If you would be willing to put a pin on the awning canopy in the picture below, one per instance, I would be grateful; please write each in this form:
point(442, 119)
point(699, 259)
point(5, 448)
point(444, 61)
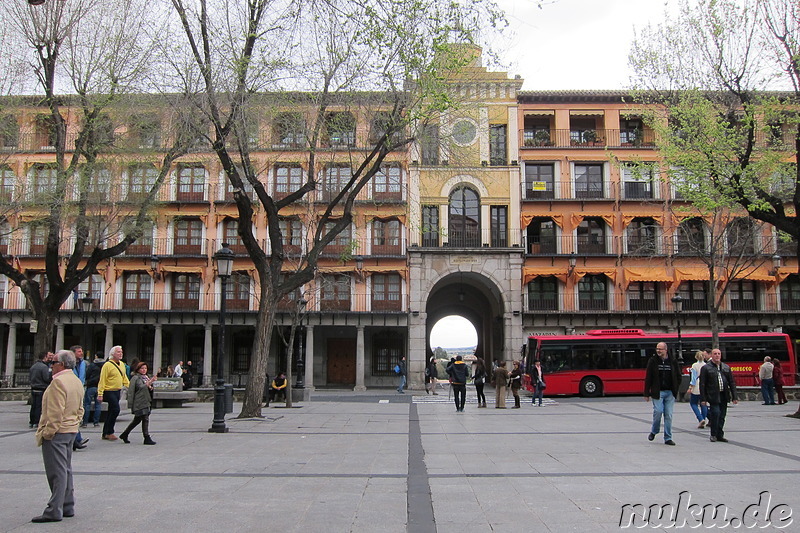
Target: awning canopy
point(539, 113)
point(586, 112)
point(529, 273)
point(645, 273)
point(527, 218)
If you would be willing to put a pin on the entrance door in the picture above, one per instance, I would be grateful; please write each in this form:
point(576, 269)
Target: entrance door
point(342, 361)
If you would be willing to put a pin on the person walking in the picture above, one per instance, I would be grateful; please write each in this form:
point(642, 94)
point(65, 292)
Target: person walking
point(139, 400)
point(479, 379)
point(765, 372)
point(717, 388)
point(431, 374)
point(402, 373)
point(500, 380)
point(178, 371)
point(62, 412)
point(777, 378)
point(515, 379)
point(39, 379)
point(458, 379)
point(91, 406)
point(661, 381)
point(700, 411)
point(112, 379)
point(537, 378)
point(80, 372)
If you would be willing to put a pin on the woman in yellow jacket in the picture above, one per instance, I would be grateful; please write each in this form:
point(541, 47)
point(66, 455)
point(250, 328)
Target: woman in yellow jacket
point(112, 378)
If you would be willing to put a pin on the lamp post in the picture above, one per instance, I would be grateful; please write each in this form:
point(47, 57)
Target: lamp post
point(301, 311)
point(86, 306)
point(677, 302)
point(224, 261)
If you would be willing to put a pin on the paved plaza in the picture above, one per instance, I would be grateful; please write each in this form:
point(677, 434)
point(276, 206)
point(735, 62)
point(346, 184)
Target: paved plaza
point(386, 462)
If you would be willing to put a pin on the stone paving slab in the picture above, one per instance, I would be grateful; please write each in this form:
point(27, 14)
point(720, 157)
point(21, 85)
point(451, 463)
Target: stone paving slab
point(343, 463)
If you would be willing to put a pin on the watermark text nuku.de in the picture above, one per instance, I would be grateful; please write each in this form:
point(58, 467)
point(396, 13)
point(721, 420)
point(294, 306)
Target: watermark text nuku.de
point(686, 514)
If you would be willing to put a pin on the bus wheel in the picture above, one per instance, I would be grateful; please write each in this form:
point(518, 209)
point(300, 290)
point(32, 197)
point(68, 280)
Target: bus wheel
point(591, 387)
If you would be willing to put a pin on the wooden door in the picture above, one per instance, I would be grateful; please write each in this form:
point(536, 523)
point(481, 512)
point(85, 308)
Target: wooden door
point(342, 361)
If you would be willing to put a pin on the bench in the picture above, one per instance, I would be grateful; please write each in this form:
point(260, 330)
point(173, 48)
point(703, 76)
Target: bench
point(168, 392)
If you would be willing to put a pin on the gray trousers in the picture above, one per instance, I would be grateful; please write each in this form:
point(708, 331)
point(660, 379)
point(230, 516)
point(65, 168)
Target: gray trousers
point(57, 456)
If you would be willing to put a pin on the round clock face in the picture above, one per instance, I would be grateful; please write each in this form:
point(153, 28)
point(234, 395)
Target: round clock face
point(464, 132)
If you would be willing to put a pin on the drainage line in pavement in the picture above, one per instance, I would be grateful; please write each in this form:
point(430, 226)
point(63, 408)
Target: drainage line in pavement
point(420, 502)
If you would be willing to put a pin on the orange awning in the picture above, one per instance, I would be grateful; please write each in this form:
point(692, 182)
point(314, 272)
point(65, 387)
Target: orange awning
point(646, 274)
point(527, 218)
point(528, 273)
point(609, 273)
point(756, 274)
point(691, 274)
point(627, 219)
point(577, 218)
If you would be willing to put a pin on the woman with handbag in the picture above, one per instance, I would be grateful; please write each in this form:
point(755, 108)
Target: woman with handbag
point(537, 378)
point(479, 379)
point(139, 399)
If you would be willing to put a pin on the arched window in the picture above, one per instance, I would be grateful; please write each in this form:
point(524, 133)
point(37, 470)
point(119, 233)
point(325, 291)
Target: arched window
point(464, 218)
point(592, 293)
point(542, 236)
point(691, 237)
point(741, 236)
point(642, 235)
point(591, 236)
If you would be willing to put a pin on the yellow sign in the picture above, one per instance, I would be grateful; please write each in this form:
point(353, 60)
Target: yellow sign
point(539, 186)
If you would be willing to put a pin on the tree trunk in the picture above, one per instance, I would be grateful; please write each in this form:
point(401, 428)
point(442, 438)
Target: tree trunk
point(256, 379)
point(44, 340)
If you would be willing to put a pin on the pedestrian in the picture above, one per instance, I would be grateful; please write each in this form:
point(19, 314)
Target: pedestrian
point(479, 379)
point(39, 379)
point(459, 373)
point(112, 379)
point(80, 372)
point(178, 371)
point(140, 400)
point(170, 371)
point(187, 377)
point(91, 405)
point(515, 380)
point(717, 388)
point(431, 373)
point(401, 366)
point(661, 381)
point(700, 411)
point(777, 378)
point(765, 372)
point(500, 379)
point(62, 412)
point(537, 378)
point(278, 387)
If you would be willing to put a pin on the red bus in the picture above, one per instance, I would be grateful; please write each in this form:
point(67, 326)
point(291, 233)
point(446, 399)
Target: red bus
point(613, 361)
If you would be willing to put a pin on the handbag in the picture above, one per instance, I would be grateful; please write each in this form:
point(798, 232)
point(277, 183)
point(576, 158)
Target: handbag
point(541, 385)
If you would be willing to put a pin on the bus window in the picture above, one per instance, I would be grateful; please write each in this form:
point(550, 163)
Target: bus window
point(633, 357)
point(556, 358)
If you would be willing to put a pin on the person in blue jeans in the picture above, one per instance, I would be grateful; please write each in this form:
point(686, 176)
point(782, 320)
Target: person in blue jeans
point(92, 379)
point(700, 411)
point(402, 374)
point(661, 381)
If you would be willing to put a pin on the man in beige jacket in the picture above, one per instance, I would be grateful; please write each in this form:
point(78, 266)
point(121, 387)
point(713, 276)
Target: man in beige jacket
point(62, 412)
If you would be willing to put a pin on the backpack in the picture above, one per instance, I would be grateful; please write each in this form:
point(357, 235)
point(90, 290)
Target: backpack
point(427, 371)
point(396, 369)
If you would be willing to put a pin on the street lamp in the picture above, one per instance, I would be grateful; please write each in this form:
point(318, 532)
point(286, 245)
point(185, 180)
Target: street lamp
point(224, 261)
point(86, 306)
point(301, 311)
point(677, 302)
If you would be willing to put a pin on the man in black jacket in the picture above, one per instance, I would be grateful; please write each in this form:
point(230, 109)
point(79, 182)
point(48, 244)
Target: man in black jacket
point(661, 381)
point(39, 380)
point(717, 388)
point(459, 373)
point(92, 379)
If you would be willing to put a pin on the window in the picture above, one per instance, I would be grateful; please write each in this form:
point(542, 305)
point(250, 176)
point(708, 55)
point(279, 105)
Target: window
point(334, 181)
point(340, 243)
point(631, 132)
point(385, 237)
point(537, 131)
point(288, 301)
point(589, 181)
point(5, 236)
point(741, 237)
point(191, 183)
point(291, 235)
point(541, 235)
point(637, 181)
point(97, 190)
point(694, 295)
point(498, 145)
point(691, 237)
point(102, 131)
point(382, 123)
point(288, 178)
point(45, 132)
point(230, 235)
point(387, 183)
point(539, 181)
point(142, 179)
point(543, 294)
point(188, 237)
point(38, 239)
point(341, 129)
point(289, 131)
point(743, 295)
point(45, 180)
point(334, 292)
point(144, 244)
point(643, 296)
point(388, 349)
point(386, 292)
point(91, 287)
point(430, 225)
point(591, 236)
point(145, 131)
point(583, 131)
point(499, 229)
point(7, 181)
point(592, 293)
point(790, 293)
point(9, 132)
point(237, 291)
point(186, 292)
point(464, 218)
point(137, 291)
point(247, 187)
point(429, 145)
point(641, 237)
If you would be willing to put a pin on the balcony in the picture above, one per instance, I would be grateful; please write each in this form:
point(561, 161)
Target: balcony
point(533, 139)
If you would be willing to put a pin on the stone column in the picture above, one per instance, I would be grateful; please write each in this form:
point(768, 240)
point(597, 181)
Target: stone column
point(360, 359)
point(208, 378)
point(59, 337)
point(109, 340)
point(157, 353)
point(11, 352)
point(309, 359)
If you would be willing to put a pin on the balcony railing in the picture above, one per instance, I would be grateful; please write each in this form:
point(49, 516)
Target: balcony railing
point(483, 238)
point(587, 138)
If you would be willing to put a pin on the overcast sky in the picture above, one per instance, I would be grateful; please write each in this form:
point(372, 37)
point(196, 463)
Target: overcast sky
point(574, 44)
